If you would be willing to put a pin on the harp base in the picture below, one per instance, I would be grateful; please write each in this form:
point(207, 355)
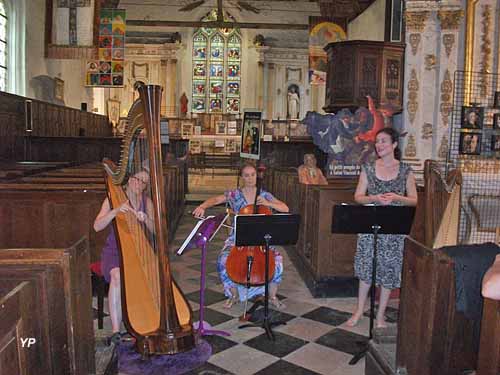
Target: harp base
point(163, 343)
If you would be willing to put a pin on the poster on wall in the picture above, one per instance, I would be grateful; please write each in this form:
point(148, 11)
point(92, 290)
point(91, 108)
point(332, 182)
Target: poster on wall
point(107, 69)
point(321, 33)
point(250, 134)
point(349, 138)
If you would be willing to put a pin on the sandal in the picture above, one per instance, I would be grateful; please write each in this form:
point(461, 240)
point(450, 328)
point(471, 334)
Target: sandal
point(276, 303)
point(230, 302)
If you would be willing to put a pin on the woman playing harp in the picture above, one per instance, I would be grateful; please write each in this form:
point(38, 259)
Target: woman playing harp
point(155, 311)
point(139, 205)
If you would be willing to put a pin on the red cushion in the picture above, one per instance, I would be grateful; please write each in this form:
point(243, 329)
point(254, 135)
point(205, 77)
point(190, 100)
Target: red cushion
point(96, 268)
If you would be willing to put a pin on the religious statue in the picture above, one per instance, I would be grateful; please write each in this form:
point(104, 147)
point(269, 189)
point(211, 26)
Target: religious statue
point(293, 103)
point(309, 173)
point(114, 114)
point(184, 104)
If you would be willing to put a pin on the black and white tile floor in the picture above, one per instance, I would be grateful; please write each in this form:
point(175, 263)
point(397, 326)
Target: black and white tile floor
point(315, 339)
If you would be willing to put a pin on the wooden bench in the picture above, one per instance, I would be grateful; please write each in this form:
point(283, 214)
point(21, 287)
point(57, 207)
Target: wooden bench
point(435, 340)
point(62, 304)
point(18, 324)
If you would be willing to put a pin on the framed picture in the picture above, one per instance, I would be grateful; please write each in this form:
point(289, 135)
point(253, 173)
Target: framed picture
point(220, 143)
point(472, 117)
point(470, 143)
point(495, 143)
point(186, 129)
point(194, 146)
point(496, 99)
point(230, 145)
point(232, 131)
point(220, 127)
point(250, 135)
point(496, 121)
point(197, 130)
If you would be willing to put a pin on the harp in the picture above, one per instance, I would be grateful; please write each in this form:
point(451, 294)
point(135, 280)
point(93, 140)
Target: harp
point(155, 311)
point(442, 206)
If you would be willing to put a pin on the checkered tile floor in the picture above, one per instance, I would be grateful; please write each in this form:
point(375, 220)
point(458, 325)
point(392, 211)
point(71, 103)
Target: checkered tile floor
point(315, 339)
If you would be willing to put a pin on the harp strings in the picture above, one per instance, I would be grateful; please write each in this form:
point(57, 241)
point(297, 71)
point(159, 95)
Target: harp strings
point(141, 222)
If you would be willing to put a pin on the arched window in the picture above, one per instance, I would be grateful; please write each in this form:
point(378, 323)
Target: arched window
point(3, 46)
point(216, 69)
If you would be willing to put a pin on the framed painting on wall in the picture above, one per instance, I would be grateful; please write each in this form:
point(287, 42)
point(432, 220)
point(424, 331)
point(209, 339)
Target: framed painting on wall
point(470, 143)
point(194, 146)
point(220, 127)
point(186, 129)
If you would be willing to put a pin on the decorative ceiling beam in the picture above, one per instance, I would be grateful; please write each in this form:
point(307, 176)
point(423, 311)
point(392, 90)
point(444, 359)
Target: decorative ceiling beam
point(217, 24)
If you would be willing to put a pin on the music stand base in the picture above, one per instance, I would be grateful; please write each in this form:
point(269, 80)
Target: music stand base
point(213, 332)
point(266, 326)
point(361, 353)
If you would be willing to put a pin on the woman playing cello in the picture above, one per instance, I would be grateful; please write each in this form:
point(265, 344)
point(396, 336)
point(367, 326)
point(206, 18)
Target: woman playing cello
point(238, 199)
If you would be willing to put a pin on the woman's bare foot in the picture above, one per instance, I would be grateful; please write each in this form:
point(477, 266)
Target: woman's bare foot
point(381, 324)
point(230, 302)
point(353, 320)
point(276, 303)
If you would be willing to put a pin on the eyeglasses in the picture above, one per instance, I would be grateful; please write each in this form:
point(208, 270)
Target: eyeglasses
point(138, 179)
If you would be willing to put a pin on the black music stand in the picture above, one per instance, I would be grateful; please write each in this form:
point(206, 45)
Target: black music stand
point(266, 230)
point(370, 219)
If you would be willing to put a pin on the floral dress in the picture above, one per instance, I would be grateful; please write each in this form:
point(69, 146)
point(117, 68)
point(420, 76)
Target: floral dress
point(389, 246)
point(236, 200)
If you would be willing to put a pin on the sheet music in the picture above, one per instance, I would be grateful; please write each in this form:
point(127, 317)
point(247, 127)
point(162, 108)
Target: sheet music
point(191, 241)
point(191, 235)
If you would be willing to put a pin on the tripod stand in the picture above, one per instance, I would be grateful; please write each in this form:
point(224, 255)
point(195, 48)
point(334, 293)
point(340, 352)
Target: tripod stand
point(375, 220)
point(267, 230)
point(200, 236)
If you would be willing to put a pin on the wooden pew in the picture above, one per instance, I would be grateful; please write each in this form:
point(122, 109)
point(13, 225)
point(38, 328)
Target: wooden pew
point(62, 304)
point(63, 208)
point(18, 323)
point(435, 340)
point(488, 362)
point(50, 214)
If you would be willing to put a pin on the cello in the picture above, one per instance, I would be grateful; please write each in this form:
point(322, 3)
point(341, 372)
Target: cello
point(247, 264)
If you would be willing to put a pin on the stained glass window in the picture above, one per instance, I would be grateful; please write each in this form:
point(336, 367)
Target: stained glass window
point(216, 68)
point(3, 47)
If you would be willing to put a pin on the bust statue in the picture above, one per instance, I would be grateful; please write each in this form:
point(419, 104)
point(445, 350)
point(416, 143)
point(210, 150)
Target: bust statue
point(309, 173)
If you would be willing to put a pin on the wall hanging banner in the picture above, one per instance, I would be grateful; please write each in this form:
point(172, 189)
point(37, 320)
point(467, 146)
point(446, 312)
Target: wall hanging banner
point(321, 33)
point(107, 70)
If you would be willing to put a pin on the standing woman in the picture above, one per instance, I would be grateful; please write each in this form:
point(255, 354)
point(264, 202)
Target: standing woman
point(237, 199)
point(142, 209)
point(385, 182)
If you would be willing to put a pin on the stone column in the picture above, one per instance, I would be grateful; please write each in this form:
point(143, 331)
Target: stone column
point(259, 89)
point(271, 91)
point(416, 149)
point(450, 18)
point(163, 83)
point(171, 82)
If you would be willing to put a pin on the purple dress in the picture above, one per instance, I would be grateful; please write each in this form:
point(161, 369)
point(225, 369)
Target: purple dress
point(110, 257)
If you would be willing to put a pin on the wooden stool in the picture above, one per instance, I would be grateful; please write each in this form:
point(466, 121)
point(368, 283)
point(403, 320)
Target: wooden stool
point(100, 288)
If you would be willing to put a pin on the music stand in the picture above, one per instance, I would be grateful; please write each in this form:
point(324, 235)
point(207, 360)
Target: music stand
point(370, 219)
point(202, 233)
point(266, 230)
